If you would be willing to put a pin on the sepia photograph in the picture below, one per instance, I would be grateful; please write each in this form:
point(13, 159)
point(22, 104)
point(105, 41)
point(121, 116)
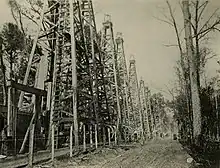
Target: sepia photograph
point(109, 83)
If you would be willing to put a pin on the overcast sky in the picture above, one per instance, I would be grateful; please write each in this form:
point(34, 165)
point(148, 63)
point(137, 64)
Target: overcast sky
point(144, 36)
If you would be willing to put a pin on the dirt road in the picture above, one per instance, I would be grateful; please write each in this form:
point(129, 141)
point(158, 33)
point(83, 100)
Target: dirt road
point(157, 154)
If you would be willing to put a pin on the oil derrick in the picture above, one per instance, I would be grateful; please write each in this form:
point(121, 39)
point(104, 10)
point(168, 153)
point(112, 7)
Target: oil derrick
point(94, 65)
point(137, 122)
point(144, 105)
point(149, 109)
point(55, 36)
point(109, 60)
point(74, 78)
point(156, 114)
point(122, 76)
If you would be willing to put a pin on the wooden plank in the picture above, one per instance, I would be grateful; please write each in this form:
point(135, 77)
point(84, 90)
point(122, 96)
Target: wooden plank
point(28, 89)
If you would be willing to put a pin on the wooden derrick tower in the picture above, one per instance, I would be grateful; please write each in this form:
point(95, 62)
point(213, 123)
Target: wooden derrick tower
point(93, 65)
point(145, 107)
point(123, 85)
point(70, 69)
point(137, 120)
point(109, 60)
point(149, 109)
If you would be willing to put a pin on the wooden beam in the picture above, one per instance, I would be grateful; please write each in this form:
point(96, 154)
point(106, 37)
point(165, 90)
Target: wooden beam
point(63, 120)
point(28, 89)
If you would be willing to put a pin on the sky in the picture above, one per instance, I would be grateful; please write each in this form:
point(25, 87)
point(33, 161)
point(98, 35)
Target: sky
point(144, 37)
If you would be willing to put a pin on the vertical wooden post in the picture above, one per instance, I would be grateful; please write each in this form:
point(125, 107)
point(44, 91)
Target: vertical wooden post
point(96, 136)
point(9, 116)
point(71, 140)
point(109, 137)
point(52, 142)
point(31, 146)
point(90, 135)
point(84, 137)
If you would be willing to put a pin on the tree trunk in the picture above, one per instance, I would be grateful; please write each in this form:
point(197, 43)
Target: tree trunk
point(4, 77)
point(196, 106)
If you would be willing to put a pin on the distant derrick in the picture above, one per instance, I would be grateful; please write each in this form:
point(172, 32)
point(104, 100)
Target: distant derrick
point(122, 76)
point(137, 120)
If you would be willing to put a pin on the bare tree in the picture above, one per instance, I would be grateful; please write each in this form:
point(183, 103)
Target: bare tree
point(202, 25)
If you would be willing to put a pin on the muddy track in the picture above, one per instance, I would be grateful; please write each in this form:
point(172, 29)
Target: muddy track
point(152, 155)
point(158, 154)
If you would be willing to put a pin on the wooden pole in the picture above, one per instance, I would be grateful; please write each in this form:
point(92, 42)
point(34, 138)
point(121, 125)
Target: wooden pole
point(96, 136)
point(71, 140)
point(9, 116)
point(90, 135)
point(31, 146)
point(84, 137)
point(74, 76)
point(109, 137)
point(52, 139)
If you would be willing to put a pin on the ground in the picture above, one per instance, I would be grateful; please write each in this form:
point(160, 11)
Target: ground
point(154, 154)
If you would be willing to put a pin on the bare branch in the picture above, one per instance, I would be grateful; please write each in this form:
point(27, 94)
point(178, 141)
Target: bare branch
point(165, 21)
point(166, 17)
point(203, 6)
point(177, 34)
point(207, 22)
point(206, 31)
point(29, 17)
point(170, 45)
point(212, 56)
